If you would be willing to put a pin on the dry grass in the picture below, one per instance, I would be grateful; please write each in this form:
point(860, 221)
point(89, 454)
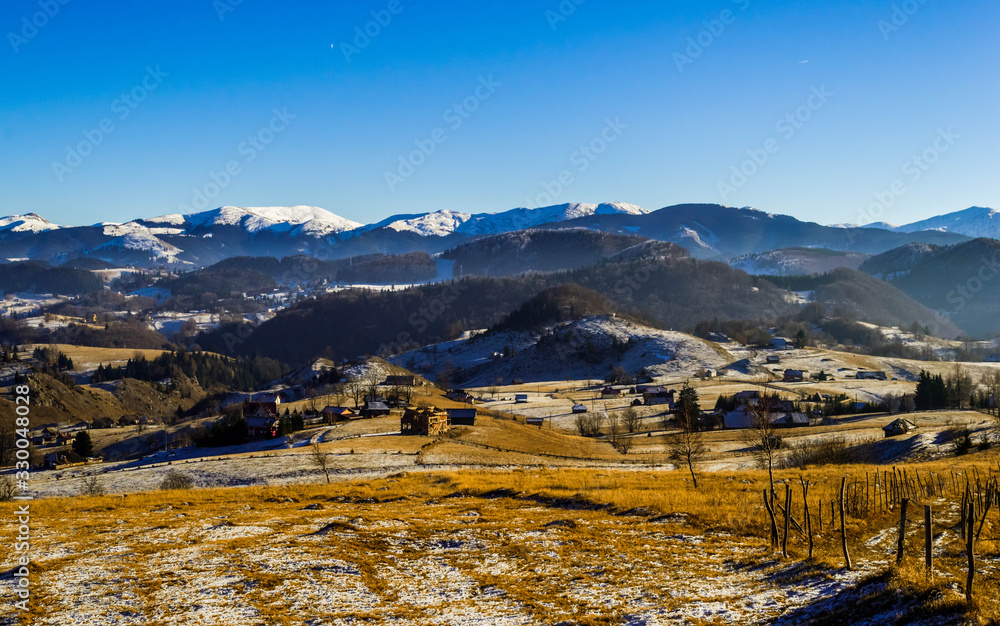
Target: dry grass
point(589, 546)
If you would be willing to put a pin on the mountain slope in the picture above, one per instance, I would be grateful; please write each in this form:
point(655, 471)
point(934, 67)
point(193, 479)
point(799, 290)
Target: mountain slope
point(444, 223)
point(850, 293)
point(201, 239)
point(797, 261)
point(973, 222)
point(670, 292)
point(714, 231)
point(960, 281)
point(536, 250)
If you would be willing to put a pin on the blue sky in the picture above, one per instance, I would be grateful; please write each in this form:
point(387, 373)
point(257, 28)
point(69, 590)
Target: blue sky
point(654, 103)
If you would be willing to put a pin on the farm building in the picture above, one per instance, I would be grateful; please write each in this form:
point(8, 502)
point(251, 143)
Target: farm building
point(773, 359)
point(794, 376)
point(780, 343)
point(579, 408)
point(62, 458)
point(399, 381)
point(374, 408)
point(262, 416)
point(425, 422)
point(462, 417)
point(659, 396)
point(535, 421)
point(332, 414)
point(459, 395)
point(899, 427)
point(868, 375)
point(521, 398)
point(610, 393)
point(780, 412)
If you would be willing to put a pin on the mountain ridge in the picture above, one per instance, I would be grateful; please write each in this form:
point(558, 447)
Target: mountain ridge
point(707, 231)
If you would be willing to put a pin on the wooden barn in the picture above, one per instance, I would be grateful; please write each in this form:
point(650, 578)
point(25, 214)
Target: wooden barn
point(462, 417)
point(425, 422)
point(262, 419)
point(333, 414)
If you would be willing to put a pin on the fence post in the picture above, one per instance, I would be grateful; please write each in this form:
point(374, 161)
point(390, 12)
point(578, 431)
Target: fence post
point(788, 514)
point(809, 522)
point(928, 540)
point(774, 524)
point(843, 524)
point(902, 531)
point(970, 537)
point(965, 509)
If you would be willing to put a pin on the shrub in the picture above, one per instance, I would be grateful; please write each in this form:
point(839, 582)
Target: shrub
point(92, 486)
point(176, 480)
point(7, 489)
point(831, 451)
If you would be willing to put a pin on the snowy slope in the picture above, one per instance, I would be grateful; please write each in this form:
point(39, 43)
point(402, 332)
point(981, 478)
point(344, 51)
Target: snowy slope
point(141, 241)
point(444, 223)
point(974, 222)
point(306, 219)
point(29, 223)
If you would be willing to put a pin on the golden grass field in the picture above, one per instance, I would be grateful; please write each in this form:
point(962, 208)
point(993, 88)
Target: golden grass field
point(525, 546)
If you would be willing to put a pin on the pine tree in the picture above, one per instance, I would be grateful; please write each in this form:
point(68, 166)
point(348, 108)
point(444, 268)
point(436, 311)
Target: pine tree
point(83, 446)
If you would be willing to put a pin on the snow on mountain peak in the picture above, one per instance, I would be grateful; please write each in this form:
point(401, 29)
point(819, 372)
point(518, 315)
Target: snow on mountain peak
point(972, 222)
point(27, 223)
point(308, 219)
point(444, 223)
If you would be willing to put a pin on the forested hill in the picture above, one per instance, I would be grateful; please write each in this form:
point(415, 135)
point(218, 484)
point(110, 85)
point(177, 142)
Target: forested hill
point(509, 254)
point(40, 278)
point(670, 292)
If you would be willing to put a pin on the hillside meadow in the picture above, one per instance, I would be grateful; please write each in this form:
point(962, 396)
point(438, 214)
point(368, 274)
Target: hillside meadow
point(524, 546)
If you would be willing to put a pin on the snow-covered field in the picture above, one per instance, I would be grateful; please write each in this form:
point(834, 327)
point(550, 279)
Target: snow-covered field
point(408, 559)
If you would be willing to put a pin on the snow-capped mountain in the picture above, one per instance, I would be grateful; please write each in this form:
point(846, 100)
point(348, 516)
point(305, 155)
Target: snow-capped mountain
point(708, 231)
point(29, 223)
point(307, 219)
point(444, 223)
point(974, 222)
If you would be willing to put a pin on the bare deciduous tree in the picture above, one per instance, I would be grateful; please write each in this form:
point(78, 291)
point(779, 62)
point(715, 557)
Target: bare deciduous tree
point(321, 459)
point(992, 383)
point(686, 446)
point(355, 388)
point(762, 437)
point(631, 420)
point(7, 441)
point(590, 424)
point(92, 486)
